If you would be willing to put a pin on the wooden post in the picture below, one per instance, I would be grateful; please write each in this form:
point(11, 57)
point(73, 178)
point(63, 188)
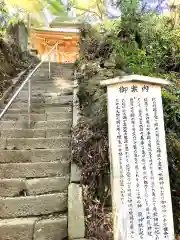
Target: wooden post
point(139, 171)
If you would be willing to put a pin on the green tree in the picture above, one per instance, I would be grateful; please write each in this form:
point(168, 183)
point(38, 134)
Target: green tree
point(95, 7)
point(4, 16)
point(35, 9)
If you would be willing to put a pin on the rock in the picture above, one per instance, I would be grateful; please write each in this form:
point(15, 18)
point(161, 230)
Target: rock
point(76, 223)
point(97, 79)
point(36, 155)
point(47, 185)
point(11, 187)
point(33, 170)
point(17, 229)
point(109, 64)
point(108, 74)
point(51, 229)
point(119, 73)
point(75, 173)
point(33, 205)
point(83, 67)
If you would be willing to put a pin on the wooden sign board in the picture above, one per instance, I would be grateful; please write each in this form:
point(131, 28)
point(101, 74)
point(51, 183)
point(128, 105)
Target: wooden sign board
point(141, 197)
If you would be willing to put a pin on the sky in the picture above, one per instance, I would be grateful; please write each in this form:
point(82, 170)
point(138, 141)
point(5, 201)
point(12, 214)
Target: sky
point(114, 11)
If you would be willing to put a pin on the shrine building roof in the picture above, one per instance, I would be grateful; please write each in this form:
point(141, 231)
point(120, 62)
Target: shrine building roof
point(62, 24)
point(65, 21)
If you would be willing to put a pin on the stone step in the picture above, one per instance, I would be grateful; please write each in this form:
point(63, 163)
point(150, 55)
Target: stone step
point(46, 89)
point(45, 80)
point(54, 76)
point(66, 124)
point(58, 84)
point(33, 170)
point(46, 95)
point(33, 205)
point(53, 124)
point(17, 229)
point(53, 108)
point(23, 117)
point(15, 187)
point(34, 155)
point(40, 105)
point(65, 99)
point(35, 143)
point(53, 84)
point(34, 133)
point(58, 65)
point(45, 73)
point(51, 229)
point(61, 70)
point(34, 228)
point(57, 72)
point(47, 185)
point(43, 93)
point(23, 133)
point(37, 117)
point(58, 115)
point(62, 109)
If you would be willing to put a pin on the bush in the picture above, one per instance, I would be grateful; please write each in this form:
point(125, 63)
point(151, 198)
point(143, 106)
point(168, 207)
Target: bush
point(157, 55)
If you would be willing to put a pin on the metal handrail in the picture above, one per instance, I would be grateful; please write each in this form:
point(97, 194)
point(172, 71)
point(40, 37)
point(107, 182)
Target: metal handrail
point(28, 80)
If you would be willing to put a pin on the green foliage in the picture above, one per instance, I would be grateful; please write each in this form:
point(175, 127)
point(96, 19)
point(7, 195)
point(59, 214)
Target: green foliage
point(4, 18)
point(157, 55)
point(56, 7)
point(153, 49)
point(90, 152)
point(145, 44)
point(173, 149)
point(95, 7)
point(34, 10)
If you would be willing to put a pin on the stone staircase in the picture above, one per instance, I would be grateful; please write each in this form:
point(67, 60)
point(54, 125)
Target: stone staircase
point(34, 162)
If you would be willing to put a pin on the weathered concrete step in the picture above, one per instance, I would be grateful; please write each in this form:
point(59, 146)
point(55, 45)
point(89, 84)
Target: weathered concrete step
point(38, 125)
point(34, 155)
point(60, 66)
point(63, 91)
point(23, 133)
point(46, 89)
point(53, 124)
point(46, 99)
point(54, 78)
point(33, 205)
point(45, 73)
point(65, 75)
point(21, 187)
point(35, 143)
point(53, 108)
point(60, 69)
point(54, 85)
point(41, 102)
point(62, 109)
point(34, 170)
point(34, 228)
point(17, 229)
point(40, 105)
point(37, 117)
point(45, 80)
point(22, 117)
point(51, 229)
point(34, 133)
